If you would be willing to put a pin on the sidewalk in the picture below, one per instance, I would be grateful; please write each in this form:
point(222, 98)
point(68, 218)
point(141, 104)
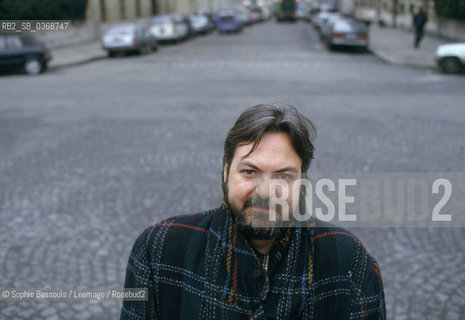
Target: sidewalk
point(395, 46)
point(76, 54)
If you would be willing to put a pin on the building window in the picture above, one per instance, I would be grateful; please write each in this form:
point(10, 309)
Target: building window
point(154, 7)
point(138, 13)
point(103, 11)
point(122, 10)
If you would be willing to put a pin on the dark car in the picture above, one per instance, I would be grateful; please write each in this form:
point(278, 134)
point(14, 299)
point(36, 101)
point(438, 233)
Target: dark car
point(211, 20)
point(228, 22)
point(190, 28)
point(23, 51)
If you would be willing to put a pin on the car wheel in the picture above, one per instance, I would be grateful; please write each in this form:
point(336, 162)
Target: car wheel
point(450, 65)
point(33, 66)
point(330, 46)
point(363, 49)
point(111, 54)
point(145, 50)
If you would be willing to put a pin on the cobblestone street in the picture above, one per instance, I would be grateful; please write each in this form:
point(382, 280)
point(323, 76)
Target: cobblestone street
point(93, 154)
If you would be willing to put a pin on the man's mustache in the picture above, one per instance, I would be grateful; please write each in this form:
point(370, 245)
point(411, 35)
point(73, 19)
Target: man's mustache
point(256, 201)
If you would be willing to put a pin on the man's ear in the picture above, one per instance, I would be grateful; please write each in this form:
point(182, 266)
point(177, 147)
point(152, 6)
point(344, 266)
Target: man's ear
point(225, 172)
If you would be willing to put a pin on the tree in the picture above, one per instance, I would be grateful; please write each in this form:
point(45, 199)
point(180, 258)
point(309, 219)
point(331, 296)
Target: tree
point(43, 9)
point(454, 9)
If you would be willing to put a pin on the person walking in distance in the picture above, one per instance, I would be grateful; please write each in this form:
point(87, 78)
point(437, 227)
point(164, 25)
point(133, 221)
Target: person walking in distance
point(419, 21)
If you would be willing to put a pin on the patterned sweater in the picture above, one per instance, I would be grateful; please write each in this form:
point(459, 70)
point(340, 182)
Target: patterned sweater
point(201, 267)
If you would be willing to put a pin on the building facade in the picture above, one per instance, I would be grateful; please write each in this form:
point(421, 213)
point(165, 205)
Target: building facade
point(399, 14)
point(120, 10)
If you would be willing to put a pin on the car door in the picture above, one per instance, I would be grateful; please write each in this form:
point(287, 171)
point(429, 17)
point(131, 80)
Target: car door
point(181, 28)
point(141, 37)
point(148, 38)
point(11, 53)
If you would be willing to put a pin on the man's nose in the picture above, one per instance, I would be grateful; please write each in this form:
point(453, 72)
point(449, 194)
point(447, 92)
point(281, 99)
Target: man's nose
point(262, 188)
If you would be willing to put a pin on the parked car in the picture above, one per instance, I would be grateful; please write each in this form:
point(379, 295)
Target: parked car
point(326, 24)
point(129, 37)
point(451, 57)
point(166, 28)
point(200, 24)
point(257, 13)
point(245, 17)
point(23, 51)
point(267, 13)
point(211, 20)
point(228, 22)
point(348, 32)
point(181, 24)
point(302, 13)
point(190, 28)
point(319, 19)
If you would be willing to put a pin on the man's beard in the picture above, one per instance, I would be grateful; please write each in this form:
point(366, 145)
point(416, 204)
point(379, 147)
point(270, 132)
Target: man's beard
point(266, 230)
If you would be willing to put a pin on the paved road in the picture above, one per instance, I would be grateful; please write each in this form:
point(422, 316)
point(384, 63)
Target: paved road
point(91, 155)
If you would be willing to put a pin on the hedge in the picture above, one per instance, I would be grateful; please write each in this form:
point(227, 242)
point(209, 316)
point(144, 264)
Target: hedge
point(43, 9)
point(454, 9)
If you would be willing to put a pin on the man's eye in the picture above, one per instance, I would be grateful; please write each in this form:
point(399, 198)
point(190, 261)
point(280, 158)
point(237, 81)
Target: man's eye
point(247, 172)
point(286, 177)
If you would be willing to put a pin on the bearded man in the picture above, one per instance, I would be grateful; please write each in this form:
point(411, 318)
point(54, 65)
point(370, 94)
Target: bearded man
point(236, 261)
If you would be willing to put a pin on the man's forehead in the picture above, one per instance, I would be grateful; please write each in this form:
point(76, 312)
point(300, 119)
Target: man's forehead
point(270, 140)
point(272, 148)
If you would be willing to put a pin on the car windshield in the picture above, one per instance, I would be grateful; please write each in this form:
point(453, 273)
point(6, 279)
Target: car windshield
point(334, 17)
point(177, 18)
point(13, 42)
point(324, 15)
point(226, 18)
point(349, 26)
point(200, 19)
point(161, 20)
point(2, 42)
point(127, 29)
point(29, 41)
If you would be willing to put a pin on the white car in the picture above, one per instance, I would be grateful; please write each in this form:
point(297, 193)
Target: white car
point(166, 28)
point(451, 57)
point(199, 23)
point(327, 22)
point(320, 18)
point(126, 37)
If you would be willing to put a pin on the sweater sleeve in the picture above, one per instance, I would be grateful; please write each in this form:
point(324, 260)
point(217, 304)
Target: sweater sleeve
point(139, 275)
point(369, 303)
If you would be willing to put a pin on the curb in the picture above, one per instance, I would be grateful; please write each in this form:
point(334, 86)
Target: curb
point(76, 63)
point(386, 58)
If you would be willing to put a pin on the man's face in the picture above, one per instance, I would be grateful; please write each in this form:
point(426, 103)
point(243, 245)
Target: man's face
point(250, 179)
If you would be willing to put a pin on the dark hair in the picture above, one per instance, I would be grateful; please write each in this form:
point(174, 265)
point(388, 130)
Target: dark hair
point(254, 122)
